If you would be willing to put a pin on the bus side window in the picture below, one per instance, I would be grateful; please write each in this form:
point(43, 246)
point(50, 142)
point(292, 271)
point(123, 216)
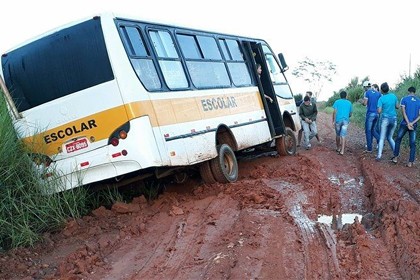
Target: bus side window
point(204, 61)
point(169, 61)
point(235, 61)
point(140, 58)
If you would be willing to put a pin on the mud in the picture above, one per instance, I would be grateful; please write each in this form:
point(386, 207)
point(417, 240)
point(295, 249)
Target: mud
point(264, 226)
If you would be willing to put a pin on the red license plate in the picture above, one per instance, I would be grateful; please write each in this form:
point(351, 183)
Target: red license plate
point(76, 145)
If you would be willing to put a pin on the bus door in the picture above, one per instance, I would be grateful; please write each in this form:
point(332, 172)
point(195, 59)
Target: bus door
point(265, 86)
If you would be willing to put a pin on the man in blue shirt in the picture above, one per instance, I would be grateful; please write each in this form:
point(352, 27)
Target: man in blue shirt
point(341, 119)
point(370, 100)
point(387, 105)
point(410, 105)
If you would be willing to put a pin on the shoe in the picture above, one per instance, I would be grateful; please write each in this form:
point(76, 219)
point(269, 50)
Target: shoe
point(410, 164)
point(378, 159)
point(308, 147)
point(367, 152)
point(394, 160)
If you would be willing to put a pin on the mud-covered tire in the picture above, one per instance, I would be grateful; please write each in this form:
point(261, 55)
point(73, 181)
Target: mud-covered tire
point(286, 145)
point(205, 173)
point(224, 167)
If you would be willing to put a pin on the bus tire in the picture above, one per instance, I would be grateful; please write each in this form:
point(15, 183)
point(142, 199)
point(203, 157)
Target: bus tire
point(224, 167)
point(286, 145)
point(205, 173)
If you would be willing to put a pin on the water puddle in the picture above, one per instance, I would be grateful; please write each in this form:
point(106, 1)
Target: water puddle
point(338, 221)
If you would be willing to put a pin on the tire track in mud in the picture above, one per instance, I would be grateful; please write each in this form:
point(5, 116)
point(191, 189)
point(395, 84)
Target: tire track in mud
point(183, 242)
point(317, 241)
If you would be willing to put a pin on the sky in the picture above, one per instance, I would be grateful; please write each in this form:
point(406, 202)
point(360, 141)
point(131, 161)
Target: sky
point(363, 38)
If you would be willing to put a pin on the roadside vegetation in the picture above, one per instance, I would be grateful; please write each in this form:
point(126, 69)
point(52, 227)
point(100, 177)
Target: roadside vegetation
point(25, 210)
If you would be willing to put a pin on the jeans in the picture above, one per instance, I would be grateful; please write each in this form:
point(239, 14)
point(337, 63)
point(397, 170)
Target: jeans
point(309, 131)
point(411, 138)
point(341, 128)
point(388, 125)
point(371, 129)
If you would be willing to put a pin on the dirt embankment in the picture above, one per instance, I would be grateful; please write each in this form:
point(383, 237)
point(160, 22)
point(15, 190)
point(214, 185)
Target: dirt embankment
point(264, 226)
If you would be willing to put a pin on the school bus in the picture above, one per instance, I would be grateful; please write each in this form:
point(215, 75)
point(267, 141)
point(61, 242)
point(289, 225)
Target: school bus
point(110, 97)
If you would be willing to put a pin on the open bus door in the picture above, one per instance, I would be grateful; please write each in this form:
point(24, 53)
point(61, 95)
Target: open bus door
point(265, 86)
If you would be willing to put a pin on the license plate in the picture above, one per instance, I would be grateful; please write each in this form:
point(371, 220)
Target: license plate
point(76, 145)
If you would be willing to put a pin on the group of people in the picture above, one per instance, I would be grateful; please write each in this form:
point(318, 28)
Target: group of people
point(382, 109)
point(380, 121)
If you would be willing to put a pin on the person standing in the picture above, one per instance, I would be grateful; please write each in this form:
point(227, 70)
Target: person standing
point(387, 105)
point(308, 113)
point(410, 106)
point(341, 119)
point(313, 101)
point(259, 71)
point(370, 100)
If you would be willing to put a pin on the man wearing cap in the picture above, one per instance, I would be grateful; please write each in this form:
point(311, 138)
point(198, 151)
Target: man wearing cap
point(370, 100)
point(308, 113)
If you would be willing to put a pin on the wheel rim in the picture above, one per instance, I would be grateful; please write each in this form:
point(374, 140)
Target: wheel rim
point(228, 164)
point(289, 143)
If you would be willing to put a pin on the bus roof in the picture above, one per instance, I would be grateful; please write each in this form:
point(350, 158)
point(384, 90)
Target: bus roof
point(110, 15)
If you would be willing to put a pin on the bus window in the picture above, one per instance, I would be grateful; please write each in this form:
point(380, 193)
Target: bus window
point(275, 71)
point(209, 47)
point(168, 59)
point(57, 65)
point(236, 64)
point(140, 58)
point(204, 61)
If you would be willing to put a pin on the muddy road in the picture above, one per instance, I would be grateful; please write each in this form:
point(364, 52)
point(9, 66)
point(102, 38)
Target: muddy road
point(316, 215)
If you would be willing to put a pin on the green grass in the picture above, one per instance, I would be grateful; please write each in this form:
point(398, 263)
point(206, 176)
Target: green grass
point(25, 211)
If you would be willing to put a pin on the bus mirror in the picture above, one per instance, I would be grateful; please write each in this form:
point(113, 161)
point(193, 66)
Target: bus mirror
point(283, 63)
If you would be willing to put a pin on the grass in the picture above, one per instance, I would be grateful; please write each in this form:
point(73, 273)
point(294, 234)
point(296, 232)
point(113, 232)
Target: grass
point(25, 210)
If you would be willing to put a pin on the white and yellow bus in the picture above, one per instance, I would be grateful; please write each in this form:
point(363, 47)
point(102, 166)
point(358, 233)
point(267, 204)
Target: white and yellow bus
point(111, 96)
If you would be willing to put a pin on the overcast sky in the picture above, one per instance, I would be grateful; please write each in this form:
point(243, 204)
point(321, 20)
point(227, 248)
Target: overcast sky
point(363, 38)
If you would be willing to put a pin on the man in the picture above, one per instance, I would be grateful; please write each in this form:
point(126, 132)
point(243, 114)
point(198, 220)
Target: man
point(308, 113)
point(313, 100)
point(387, 105)
point(410, 105)
point(370, 100)
point(341, 119)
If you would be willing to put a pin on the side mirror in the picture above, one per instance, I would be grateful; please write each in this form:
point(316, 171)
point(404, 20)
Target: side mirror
point(283, 63)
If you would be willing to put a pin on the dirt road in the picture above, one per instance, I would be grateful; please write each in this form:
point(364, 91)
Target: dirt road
point(316, 215)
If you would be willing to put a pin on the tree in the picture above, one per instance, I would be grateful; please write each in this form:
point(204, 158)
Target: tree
point(315, 73)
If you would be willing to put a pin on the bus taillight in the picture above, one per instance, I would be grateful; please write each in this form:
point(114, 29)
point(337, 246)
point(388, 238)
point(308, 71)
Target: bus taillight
point(115, 141)
point(123, 134)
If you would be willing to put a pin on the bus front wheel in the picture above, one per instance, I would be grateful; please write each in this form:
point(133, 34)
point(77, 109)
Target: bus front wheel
point(224, 167)
point(286, 145)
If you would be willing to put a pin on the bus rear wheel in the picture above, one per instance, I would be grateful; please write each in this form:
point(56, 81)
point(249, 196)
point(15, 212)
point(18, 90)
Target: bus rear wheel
point(206, 174)
point(286, 145)
point(224, 167)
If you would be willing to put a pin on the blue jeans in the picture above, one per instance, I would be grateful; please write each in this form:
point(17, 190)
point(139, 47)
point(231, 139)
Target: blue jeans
point(341, 128)
point(309, 131)
point(388, 125)
point(411, 138)
point(371, 129)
